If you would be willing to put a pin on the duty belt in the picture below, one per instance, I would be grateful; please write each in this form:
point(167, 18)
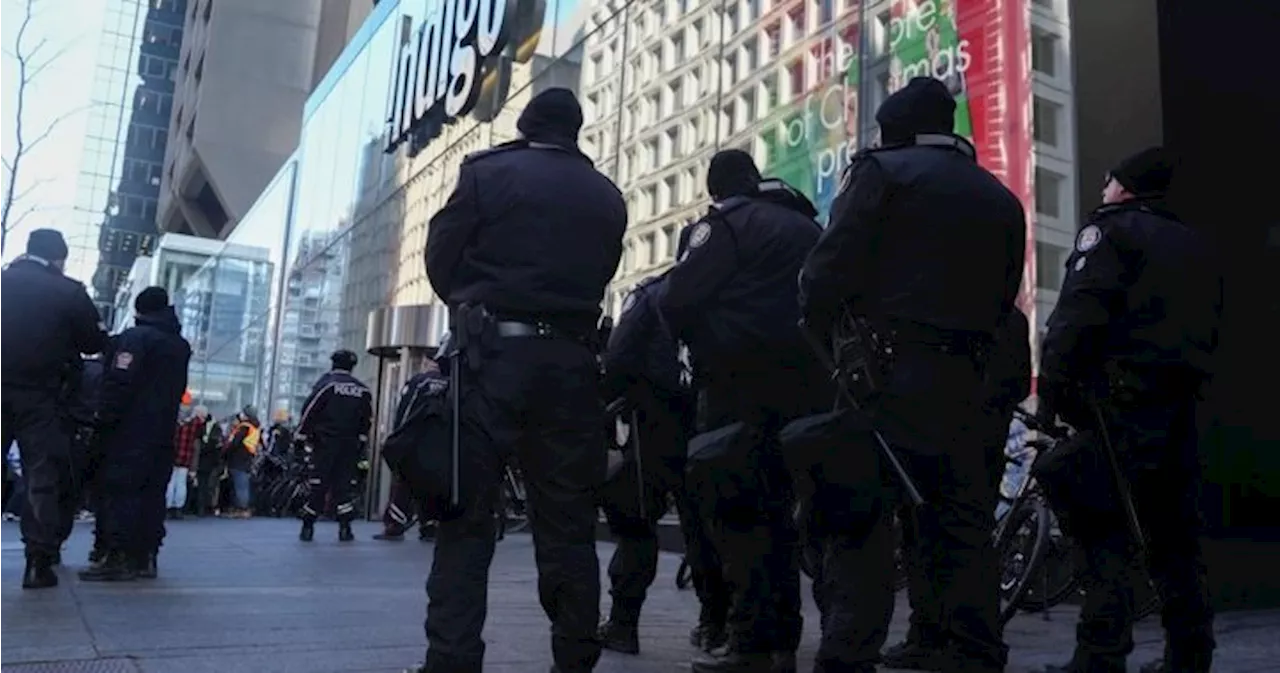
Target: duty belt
point(510, 328)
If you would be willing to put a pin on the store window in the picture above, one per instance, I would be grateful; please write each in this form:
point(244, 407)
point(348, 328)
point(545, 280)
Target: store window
point(1049, 266)
point(1045, 122)
point(1049, 187)
point(1044, 52)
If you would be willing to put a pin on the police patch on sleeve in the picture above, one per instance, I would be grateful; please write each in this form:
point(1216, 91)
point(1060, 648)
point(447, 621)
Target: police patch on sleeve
point(701, 232)
point(123, 360)
point(1088, 238)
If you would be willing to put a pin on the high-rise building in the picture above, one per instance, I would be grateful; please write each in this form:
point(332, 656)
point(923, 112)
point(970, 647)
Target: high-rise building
point(309, 325)
point(247, 68)
point(125, 138)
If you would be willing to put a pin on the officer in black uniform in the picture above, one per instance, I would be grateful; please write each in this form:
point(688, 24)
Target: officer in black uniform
point(335, 425)
point(144, 378)
point(402, 510)
point(81, 412)
point(48, 319)
point(732, 299)
point(525, 247)
point(1136, 328)
point(927, 248)
point(643, 369)
point(1007, 383)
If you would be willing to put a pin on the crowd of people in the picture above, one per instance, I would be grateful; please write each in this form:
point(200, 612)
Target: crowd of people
point(868, 370)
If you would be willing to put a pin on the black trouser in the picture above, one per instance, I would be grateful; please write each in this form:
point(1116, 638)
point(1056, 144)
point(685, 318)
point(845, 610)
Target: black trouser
point(333, 465)
point(760, 558)
point(1156, 443)
point(31, 417)
point(925, 623)
point(931, 413)
point(634, 564)
point(401, 511)
point(133, 478)
point(206, 488)
point(536, 399)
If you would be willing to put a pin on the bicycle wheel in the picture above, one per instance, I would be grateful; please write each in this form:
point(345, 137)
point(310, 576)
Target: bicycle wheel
point(1058, 579)
point(1021, 546)
point(900, 577)
point(684, 575)
point(515, 503)
point(1146, 601)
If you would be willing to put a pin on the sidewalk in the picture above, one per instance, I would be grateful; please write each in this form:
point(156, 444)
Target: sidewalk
point(246, 596)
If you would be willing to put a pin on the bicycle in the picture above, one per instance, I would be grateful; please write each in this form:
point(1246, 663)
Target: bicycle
point(512, 512)
point(1048, 551)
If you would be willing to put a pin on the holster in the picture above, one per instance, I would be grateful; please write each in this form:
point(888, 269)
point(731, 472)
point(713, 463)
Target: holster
point(725, 474)
point(834, 464)
point(863, 356)
point(1077, 482)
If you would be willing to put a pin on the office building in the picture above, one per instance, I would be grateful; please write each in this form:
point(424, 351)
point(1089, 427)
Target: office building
point(246, 69)
point(125, 140)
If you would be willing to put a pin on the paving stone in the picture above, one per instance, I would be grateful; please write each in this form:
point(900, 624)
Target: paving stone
point(248, 596)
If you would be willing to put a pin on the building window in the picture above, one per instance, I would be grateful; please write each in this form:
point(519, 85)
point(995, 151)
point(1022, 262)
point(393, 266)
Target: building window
point(1048, 192)
point(1045, 120)
point(1044, 52)
point(1049, 266)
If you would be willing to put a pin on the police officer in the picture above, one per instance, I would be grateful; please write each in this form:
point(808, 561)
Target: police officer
point(81, 413)
point(48, 320)
point(1136, 327)
point(732, 299)
point(144, 377)
point(525, 246)
point(927, 248)
point(335, 424)
point(402, 510)
point(642, 369)
point(1007, 383)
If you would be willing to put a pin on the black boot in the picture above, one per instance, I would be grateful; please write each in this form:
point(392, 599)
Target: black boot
point(726, 660)
point(308, 530)
point(177, 514)
point(1178, 664)
point(115, 567)
point(783, 662)
point(344, 532)
point(39, 573)
point(709, 634)
point(391, 534)
point(145, 566)
point(620, 636)
point(915, 655)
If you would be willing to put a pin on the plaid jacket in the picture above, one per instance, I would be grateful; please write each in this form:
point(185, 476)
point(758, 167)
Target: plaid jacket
point(184, 442)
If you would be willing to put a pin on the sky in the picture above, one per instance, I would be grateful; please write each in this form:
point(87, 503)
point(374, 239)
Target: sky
point(72, 28)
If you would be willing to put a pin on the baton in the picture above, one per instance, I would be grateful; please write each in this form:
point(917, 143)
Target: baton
point(455, 376)
point(1122, 484)
point(635, 446)
point(886, 451)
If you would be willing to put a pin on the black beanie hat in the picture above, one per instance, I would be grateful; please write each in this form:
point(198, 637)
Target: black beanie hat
point(343, 359)
point(151, 300)
point(47, 244)
point(924, 105)
point(732, 173)
point(1146, 173)
point(553, 114)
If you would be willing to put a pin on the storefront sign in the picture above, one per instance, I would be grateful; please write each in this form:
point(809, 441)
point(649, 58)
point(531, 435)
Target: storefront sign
point(456, 54)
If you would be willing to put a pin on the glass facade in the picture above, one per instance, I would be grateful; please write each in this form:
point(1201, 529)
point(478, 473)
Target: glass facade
point(664, 84)
point(128, 125)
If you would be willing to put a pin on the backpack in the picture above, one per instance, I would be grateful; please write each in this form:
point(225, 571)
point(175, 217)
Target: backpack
point(418, 450)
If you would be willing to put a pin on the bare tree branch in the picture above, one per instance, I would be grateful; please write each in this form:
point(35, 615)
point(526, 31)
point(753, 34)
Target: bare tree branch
point(30, 66)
